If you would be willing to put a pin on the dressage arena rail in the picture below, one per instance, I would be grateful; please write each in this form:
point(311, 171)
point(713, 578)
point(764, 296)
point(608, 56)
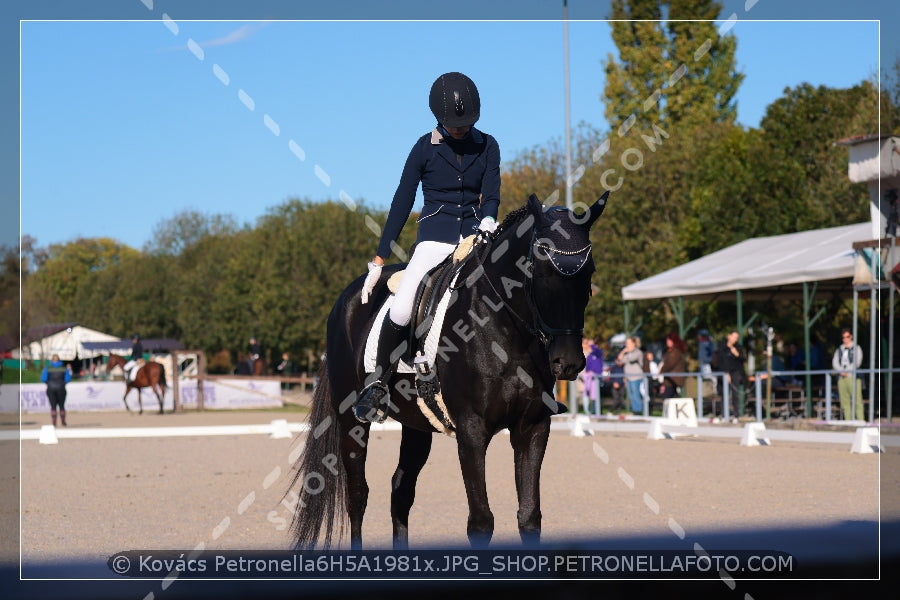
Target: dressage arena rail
point(863, 440)
point(303, 379)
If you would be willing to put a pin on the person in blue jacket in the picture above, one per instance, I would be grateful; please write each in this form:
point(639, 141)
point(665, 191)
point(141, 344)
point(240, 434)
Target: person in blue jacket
point(459, 169)
point(56, 375)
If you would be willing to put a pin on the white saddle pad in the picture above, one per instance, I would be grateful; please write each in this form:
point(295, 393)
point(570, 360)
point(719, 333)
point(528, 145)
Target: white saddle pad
point(431, 340)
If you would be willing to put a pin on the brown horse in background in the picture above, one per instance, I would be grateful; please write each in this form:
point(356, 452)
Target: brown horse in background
point(259, 367)
point(150, 374)
point(247, 366)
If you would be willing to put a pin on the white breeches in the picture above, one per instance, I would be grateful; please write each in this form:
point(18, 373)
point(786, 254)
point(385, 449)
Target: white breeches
point(426, 256)
point(130, 370)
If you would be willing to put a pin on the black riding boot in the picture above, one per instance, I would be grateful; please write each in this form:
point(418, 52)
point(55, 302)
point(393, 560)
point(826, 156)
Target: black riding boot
point(391, 345)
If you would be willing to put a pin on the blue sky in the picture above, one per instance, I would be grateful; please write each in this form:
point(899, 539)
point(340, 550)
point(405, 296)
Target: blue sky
point(127, 123)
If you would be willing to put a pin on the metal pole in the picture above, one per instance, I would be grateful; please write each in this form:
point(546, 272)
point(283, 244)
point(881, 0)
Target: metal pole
point(571, 394)
point(770, 335)
point(566, 81)
point(890, 363)
point(739, 297)
point(807, 351)
point(872, 358)
point(852, 414)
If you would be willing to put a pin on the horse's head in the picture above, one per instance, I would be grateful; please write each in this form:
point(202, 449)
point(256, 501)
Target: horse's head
point(561, 281)
point(114, 361)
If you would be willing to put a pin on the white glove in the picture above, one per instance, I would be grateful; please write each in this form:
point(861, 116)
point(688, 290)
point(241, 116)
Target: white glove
point(488, 225)
point(371, 280)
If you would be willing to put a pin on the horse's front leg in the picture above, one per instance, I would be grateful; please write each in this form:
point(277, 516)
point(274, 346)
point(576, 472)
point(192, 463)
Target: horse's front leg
point(472, 443)
point(140, 403)
point(354, 443)
point(125, 398)
point(529, 442)
point(415, 446)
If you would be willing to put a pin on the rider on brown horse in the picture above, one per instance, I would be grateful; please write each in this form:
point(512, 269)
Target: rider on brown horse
point(136, 360)
point(254, 353)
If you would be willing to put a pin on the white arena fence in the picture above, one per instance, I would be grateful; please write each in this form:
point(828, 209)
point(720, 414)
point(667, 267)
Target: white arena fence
point(221, 393)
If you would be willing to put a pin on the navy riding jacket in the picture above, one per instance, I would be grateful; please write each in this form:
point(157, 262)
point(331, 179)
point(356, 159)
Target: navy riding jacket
point(56, 375)
point(460, 184)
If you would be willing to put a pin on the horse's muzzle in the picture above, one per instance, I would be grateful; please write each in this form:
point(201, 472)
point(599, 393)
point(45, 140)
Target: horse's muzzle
point(566, 370)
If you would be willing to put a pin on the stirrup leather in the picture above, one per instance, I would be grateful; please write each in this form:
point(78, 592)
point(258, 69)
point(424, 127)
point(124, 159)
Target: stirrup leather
point(373, 403)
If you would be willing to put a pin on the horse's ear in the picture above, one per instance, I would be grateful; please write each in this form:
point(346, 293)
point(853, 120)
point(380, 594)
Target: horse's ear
point(535, 207)
point(597, 209)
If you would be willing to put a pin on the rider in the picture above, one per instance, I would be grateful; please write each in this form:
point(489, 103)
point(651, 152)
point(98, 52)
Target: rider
point(136, 358)
point(254, 352)
point(459, 168)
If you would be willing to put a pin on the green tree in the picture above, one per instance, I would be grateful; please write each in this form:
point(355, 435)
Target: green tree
point(671, 85)
point(669, 71)
point(9, 292)
point(539, 171)
point(290, 270)
point(68, 266)
point(177, 234)
point(890, 98)
point(199, 277)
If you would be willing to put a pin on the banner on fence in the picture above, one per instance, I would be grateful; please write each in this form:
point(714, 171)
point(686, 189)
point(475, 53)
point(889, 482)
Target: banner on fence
point(107, 396)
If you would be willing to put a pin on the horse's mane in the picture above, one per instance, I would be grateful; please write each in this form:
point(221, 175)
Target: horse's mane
point(514, 217)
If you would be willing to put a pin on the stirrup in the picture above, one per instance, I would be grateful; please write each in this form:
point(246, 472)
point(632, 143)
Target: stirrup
point(372, 404)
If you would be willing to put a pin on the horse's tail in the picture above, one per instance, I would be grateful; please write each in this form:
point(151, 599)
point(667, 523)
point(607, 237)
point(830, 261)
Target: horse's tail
point(162, 377)
point(319, 473)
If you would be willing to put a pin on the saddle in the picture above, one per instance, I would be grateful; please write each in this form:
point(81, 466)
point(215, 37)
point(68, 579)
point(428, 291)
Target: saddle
point(132, 373)
point(431, 295)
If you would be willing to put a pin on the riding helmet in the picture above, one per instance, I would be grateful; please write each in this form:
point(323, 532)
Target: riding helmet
point(454, 100)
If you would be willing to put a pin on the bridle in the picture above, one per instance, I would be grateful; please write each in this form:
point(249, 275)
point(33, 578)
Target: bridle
point(538, 327)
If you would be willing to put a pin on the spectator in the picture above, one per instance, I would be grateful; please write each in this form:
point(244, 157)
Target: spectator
point(286, 369)
point(650, 383)
point(243, 365)
point(673, 362)
point(254, 352)
point(617, 384)
point(796, 361)
point(847, 358)
point(631, 358)
point(706, 349)
point(590, 377)
point(56, 375)
point(730, 358)
point(253, 349)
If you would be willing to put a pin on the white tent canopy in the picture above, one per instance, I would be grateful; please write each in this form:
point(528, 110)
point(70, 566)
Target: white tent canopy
point(761, 266)
point(65, 339)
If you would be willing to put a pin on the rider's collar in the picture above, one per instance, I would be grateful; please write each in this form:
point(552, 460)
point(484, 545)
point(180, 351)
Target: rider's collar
point(439, 133)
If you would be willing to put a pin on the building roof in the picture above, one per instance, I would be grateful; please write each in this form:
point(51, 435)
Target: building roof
point(71, 340)
point(859, 139)
point(149, 344)
point(761, 267)
point(65, 339)
point(41, 331)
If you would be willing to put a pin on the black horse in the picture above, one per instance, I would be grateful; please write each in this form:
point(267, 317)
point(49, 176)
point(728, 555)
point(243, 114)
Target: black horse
point(513, 328)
